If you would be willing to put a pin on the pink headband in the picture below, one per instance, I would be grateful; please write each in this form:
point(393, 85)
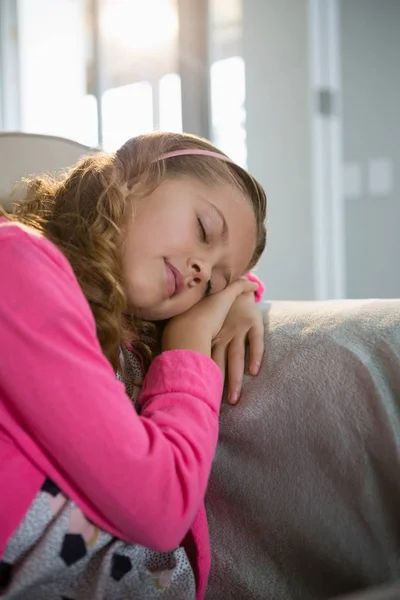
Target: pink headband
point(195, 151)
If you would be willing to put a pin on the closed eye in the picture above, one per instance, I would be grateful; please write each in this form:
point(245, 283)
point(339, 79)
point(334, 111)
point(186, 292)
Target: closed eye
point(203, 232)
point(204, 238)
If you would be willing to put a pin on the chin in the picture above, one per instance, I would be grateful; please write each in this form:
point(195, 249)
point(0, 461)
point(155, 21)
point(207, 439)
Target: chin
point(163, 311)
point(150, 315)
point(157, 314)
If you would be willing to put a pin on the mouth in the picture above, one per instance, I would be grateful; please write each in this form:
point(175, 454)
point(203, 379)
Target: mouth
point(175, 281)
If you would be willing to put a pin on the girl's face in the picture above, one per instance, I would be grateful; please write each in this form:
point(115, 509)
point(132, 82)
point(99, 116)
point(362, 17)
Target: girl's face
point(184, 241)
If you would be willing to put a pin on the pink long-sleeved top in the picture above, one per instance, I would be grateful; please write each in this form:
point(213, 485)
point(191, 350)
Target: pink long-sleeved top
point(64, 415)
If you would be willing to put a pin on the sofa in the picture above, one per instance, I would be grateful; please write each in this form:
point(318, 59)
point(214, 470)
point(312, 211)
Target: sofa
point(304, 498)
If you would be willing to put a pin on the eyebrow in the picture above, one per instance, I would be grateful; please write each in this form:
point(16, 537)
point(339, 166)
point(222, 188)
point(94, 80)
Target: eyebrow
point(227, 273)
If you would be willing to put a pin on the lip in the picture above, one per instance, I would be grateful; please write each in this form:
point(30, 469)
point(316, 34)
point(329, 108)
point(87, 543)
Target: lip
point(175, 281)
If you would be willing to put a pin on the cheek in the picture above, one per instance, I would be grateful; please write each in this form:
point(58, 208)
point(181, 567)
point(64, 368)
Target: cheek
point(179, 226)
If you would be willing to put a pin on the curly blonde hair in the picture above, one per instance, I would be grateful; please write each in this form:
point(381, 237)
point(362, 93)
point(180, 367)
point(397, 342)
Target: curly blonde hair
point(83, 214)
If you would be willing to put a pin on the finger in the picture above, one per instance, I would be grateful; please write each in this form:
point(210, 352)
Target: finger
point(235, 289)
point(241, 286)
point(236, 356)
point(219, 354)
point(256, 343)
point(221, 303)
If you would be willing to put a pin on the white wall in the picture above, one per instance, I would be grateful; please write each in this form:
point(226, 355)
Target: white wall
point(275, 49)
point(370, 49)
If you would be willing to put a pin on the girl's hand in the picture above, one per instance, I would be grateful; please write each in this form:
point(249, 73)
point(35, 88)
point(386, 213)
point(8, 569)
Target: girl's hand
point(244, 322)
point(196, 328)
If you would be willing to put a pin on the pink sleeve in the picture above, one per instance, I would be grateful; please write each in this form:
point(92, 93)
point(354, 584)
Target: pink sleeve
point(141, 478)
point(258, 294)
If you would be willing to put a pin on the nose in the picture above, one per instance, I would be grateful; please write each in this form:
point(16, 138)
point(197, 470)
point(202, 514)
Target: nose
point(200, 271)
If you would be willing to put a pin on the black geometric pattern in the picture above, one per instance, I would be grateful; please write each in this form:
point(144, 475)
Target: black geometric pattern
point(5, 574)
point(120, 566)
point(50, 487)
point(73, 548)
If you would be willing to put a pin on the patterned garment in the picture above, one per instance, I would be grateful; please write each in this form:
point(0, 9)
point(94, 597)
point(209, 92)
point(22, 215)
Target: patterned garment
point(57, 554)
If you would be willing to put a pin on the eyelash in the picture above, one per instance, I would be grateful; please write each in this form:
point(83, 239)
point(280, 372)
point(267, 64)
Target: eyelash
point(203, 231)
point(204, 238)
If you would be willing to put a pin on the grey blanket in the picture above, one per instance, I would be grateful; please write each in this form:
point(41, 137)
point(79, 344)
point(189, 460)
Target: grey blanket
point(304, 498)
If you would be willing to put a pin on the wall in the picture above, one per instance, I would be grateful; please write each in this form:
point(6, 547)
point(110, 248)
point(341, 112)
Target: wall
point(275, 49)
point(370, 49)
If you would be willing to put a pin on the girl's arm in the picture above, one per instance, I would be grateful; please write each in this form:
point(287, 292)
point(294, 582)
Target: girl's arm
point(141, 478)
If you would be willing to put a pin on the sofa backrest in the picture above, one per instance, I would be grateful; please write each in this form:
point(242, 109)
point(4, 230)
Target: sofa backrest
point(24, 154)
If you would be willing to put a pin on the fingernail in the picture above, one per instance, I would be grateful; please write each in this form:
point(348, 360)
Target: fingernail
point(255, 368)
point(233, 397)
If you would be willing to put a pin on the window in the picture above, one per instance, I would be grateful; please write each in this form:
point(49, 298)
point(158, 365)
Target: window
point(96, 71)
point(228, 114)
point(170, 115)
point(227, 107)
point(127, 111)
point(101, 71)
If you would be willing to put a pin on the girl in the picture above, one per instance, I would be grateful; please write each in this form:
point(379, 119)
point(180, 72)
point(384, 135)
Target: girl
point(160, 231)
